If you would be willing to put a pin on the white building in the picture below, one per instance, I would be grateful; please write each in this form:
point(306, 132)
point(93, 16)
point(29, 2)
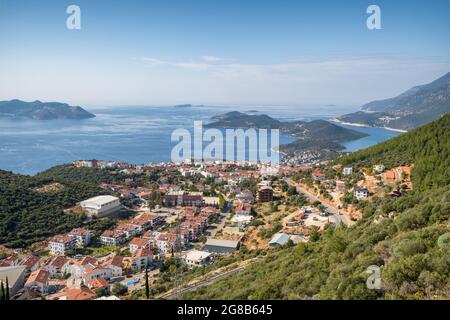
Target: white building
point(241, 220)
point(116, 265)
point(101, 206)
point(38, 281)
point(61, 245)
point(379, 168)
point(112, 238)
point(137, 243)
point(362, 193)
point(82, 236)
point(279, 239)
point(57, 267)
point(141, 259)
point(347, 171)
point(195, 258)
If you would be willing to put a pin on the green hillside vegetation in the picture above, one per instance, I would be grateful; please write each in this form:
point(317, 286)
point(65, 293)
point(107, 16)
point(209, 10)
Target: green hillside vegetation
point(27, 216)
point(97, 176)
point(408, 237)
point(428, 148)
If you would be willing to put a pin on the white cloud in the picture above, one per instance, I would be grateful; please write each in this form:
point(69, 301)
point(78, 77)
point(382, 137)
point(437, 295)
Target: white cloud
point(334, 80)
point(212, 58)
point(152, 61)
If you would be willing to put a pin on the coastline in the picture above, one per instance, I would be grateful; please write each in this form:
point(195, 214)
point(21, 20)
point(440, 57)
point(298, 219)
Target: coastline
point(367, 126)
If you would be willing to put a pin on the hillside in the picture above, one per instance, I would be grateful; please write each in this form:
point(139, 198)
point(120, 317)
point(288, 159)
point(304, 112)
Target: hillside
point(427, 147)
point(408, 237)
point(236, 119)
point(28, 216)
point(411, 109)
point(38, 110)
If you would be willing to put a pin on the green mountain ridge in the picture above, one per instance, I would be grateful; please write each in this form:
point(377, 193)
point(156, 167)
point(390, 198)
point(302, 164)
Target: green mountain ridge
point(411, 109)
point(310, 135)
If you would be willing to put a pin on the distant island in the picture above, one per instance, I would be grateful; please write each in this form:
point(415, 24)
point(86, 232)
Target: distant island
point(411, 109)
point(38, 110)
point(188, 106)
point(316, 135)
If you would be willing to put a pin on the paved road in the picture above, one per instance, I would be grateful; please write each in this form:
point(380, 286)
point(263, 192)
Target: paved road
point(334, 211)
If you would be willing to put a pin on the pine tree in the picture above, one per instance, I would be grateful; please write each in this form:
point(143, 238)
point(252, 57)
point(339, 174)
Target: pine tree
point(147, 287)
point(7, 297)
point(2, 292)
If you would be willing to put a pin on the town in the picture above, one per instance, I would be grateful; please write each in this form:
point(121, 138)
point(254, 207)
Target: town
point(214, 216)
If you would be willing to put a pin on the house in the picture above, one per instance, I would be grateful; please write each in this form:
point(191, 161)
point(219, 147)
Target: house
point(340, 186)
point(361, 193)
point(243, 209)
point(112, 237)
point(116, 265)
point(38, 281)
point(195, 258)
point(96, 271)
point(379, 168)
point(165, 243)
point(279, 239)
point(101, 206)
point(347, 171)
point(83, 236)
point(241, 220)
point(318, 175)
point(141, 259)
point(137, 243)
point(98, 284)
point(265, 194)
point(61, 245)
point(218, 246)
point(108, 298)
point(10, 261)
point(146, 222)
point(80, 294)
point(31, 262)
point(78, 269)
point(128, 230)
point(15, 276)
point(57, 267)
point(183, 198)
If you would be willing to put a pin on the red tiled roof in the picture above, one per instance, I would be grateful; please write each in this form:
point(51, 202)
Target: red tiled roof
point(61, 239)
point(115, 261)
point(143, 252)
point(40, 276)
point(139, 242)
point(88, 260)
point(98, 283)
point(111, 234)
point(30, 261)
point(58, 262)
point(83, 293)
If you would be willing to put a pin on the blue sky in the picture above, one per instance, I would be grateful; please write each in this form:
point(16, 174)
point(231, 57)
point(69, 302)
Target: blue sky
point(220, 52)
